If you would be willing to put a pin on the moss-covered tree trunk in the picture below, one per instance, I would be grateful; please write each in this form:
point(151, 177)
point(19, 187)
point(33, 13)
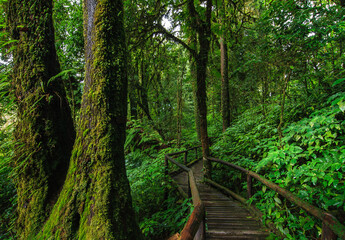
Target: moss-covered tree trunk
point(95, 202)
point(44, 132)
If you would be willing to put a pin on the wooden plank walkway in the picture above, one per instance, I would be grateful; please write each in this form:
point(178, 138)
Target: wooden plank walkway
point(225, 217)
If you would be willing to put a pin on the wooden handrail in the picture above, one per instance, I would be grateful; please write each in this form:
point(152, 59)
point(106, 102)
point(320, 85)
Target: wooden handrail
point(183, 167)
point(328, 220)
point(187, 150)
point(194, 189)
point(195, 224)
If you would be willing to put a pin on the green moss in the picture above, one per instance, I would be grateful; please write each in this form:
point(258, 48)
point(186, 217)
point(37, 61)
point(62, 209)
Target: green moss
point(42, 152)
point(95, 202)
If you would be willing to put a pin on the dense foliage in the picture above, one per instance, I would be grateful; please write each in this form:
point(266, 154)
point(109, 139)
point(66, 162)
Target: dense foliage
point(286, 104)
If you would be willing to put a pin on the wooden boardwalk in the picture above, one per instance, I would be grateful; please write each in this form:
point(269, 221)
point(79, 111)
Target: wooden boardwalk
point(225, 217)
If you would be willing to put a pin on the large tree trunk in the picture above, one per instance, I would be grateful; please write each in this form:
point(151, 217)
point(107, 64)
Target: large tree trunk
point(225, 84)
point(95, 202)
point(44, 132)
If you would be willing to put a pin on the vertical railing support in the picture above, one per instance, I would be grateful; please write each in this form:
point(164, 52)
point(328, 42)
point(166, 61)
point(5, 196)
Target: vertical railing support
point(189, 190)
point(201, 233)
point(185, 157)
point(203, 227)
point(327, 233)
point(249, 186)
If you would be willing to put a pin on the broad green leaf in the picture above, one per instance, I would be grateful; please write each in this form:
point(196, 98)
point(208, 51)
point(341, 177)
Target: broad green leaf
point(341, 105)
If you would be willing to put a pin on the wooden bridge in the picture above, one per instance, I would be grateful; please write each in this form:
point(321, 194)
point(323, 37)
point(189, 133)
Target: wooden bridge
point(219, 216)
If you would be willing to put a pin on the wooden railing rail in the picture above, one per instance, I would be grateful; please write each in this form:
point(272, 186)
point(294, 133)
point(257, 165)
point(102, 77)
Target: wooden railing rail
point(330, 225)
point(195, 226)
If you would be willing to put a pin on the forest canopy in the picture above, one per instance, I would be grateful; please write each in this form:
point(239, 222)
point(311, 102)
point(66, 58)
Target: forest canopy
point(94, 93)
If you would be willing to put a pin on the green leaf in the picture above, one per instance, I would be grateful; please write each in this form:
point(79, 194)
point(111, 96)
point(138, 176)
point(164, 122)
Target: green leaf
point(338, 81)
point(314, 180)
point(264, 188)
point(277, 200)
point(341, 105)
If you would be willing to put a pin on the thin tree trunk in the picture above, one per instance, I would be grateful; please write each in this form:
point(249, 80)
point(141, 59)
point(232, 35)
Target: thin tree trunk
point(95, 202)
point(225, 102)
point(133, 99)
point(203, 28)
point(179, 107)
point(196, 110)
point(44, 132)
point(143, 88)
point(282, 106)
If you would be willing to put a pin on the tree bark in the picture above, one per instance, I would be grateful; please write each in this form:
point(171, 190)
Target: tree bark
point(44, 132)
point(143, 96)
point(203, 28)
point(179, 109)
point(95, 202)
point(225, 84)
point(196, 110)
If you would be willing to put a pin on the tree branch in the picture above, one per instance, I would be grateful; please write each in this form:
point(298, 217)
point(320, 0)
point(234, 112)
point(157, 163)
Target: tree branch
point(172, 37)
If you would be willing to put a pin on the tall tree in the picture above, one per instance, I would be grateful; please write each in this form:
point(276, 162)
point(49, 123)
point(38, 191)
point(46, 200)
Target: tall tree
point(200, 23)
point(224, 71)
point(203, 28)
point(95, 202)
point(44, 132)
point(225, 83)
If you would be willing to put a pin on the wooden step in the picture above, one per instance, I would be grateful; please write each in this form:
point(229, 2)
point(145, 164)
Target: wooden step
point(248, 234)
point(225, 218)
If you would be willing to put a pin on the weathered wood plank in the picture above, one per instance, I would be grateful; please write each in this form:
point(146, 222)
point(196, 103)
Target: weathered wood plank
point(225, 218)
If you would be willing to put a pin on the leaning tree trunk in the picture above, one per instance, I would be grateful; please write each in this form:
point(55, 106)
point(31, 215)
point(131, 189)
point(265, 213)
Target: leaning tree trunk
point(95, 202)
point(44, 132)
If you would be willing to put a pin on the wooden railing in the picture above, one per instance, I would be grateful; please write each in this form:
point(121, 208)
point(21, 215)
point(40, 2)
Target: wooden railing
point(195, 226)
point(331, 227)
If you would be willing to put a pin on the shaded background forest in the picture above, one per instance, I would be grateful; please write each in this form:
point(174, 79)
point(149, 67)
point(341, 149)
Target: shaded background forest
point(285, 63)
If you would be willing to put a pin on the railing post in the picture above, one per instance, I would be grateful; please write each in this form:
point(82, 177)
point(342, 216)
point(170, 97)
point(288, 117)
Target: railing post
point(201, 233)
point(203, 227)
point(327, 233)
point(185, 157)
point(189, 190)
point(249, 186)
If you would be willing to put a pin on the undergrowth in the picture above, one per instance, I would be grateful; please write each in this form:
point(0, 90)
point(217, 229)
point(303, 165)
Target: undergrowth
point(309, 161)
point(158, 217)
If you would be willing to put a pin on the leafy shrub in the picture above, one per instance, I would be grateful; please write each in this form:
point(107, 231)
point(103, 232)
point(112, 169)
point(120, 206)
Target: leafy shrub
point(308, 161)
point(158, 217)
